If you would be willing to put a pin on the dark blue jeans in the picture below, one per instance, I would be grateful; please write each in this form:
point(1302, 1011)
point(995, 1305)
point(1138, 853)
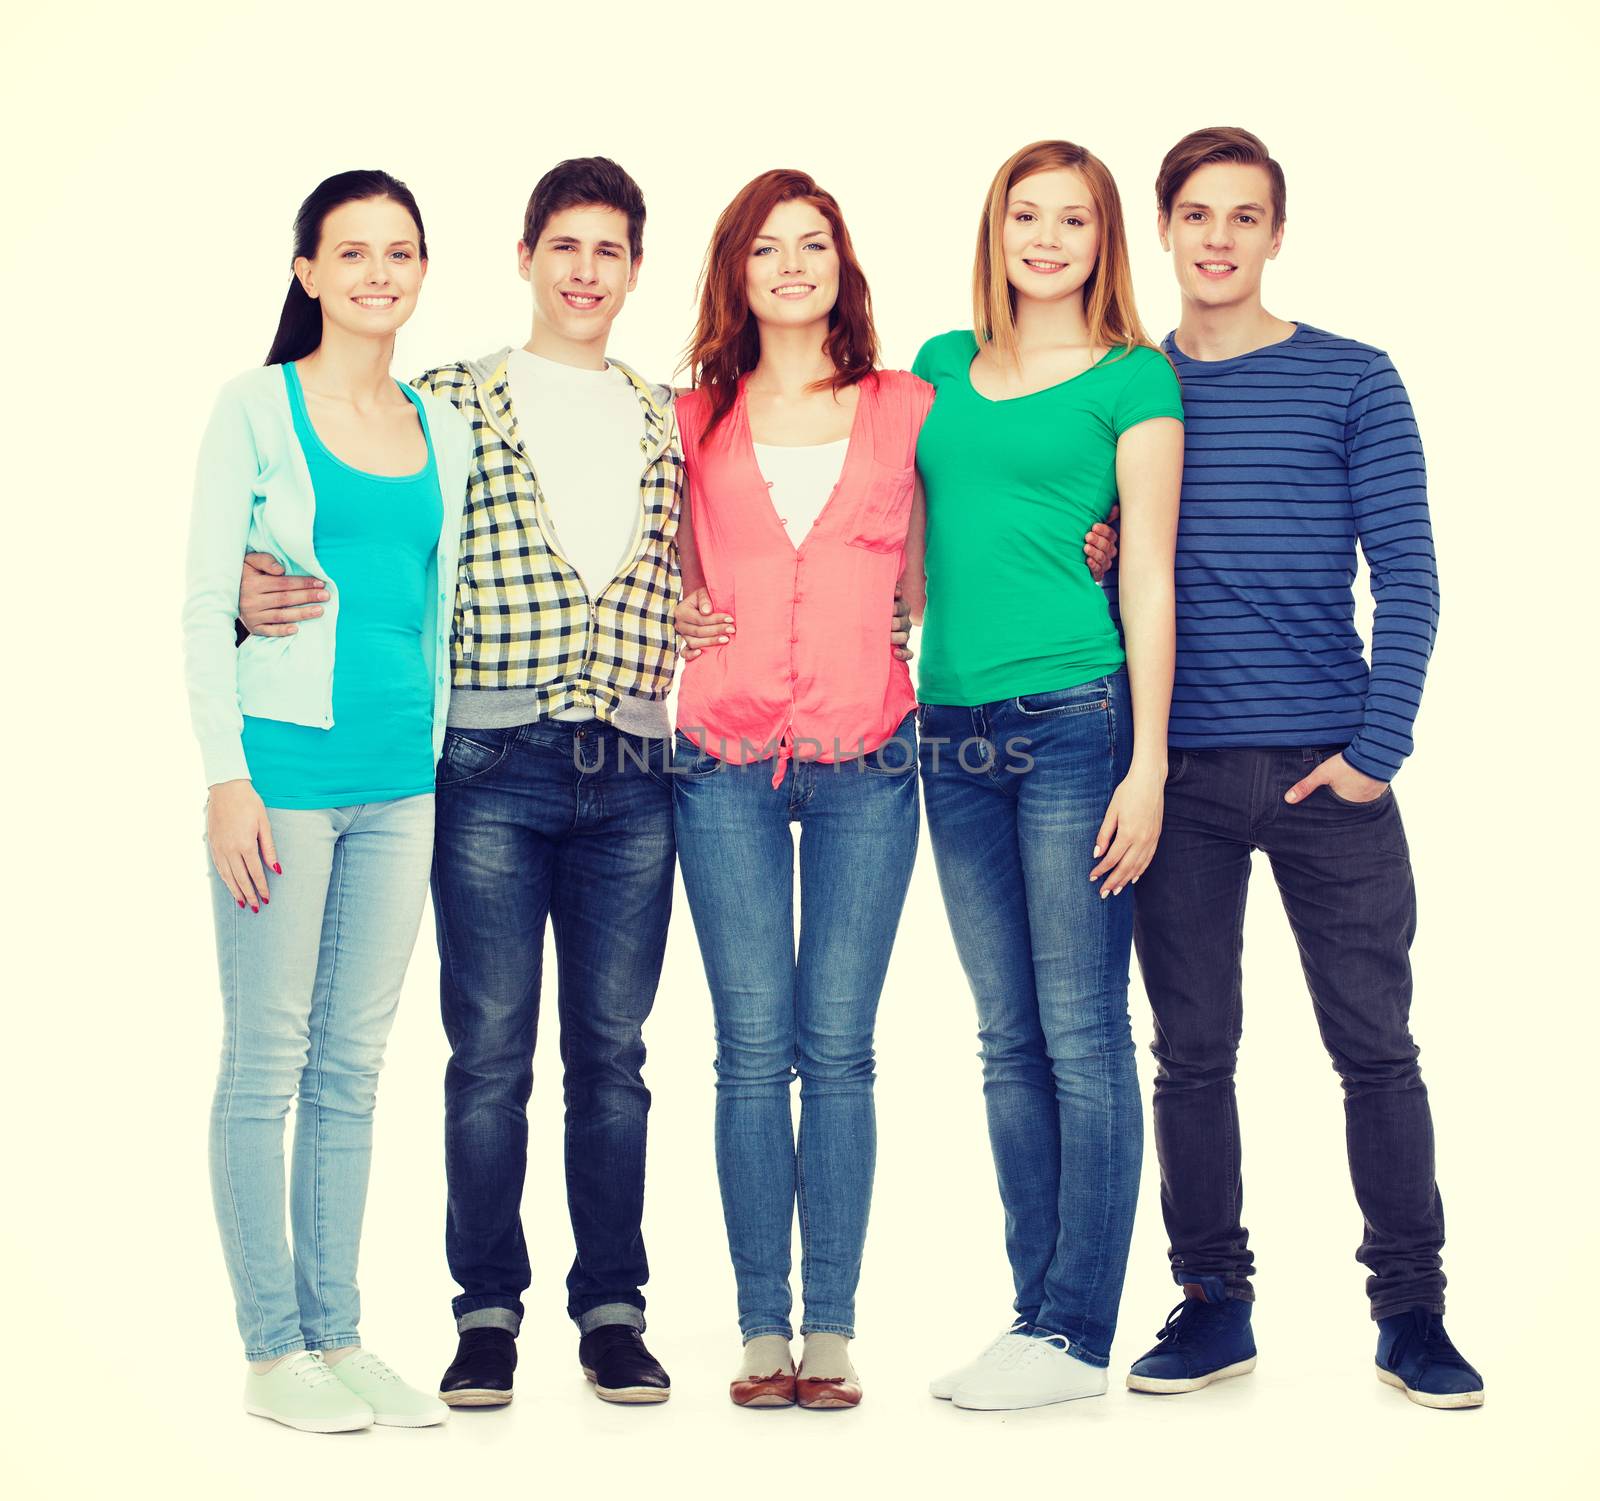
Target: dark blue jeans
point(1344, 873)
point(1013, 834)
point(573, 822)
point(783, 1015)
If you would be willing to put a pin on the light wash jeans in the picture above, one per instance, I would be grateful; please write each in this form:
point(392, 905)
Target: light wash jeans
point(309, 989)
point(782, 1014)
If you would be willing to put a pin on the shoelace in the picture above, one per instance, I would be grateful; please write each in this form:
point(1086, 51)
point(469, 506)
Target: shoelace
point(1033, 1349)
point(307, 1367)
point(1427, 1331)
point(1189, 1317)
point(373, 1366)
point(1020, 1327)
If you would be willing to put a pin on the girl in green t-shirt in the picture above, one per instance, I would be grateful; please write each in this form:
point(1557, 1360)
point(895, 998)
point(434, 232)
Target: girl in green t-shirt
point(1045, 732)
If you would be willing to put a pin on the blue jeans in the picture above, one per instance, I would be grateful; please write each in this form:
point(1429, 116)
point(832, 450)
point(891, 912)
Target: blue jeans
point(1343, 871)
point(309, 989)
point(1047, 960)
point(780, 1015)
point(570, 822)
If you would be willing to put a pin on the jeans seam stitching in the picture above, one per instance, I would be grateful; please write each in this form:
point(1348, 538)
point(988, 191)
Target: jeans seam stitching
point(227, 1121)
point(321, 1045)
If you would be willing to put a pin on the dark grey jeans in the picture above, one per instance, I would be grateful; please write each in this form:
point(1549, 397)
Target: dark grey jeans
point(1344, 873)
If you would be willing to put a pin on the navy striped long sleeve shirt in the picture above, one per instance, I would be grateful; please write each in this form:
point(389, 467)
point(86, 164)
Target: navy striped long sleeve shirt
point(1292, 454)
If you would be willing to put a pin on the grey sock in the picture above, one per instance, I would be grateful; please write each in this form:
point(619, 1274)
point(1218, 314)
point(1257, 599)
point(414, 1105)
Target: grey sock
point(827, 1357)
point(765, 1355)
point(261, 1367)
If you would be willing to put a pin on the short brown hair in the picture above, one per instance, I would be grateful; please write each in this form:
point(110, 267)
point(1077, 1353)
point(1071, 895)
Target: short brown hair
point(1217, 143)
point(584, 182)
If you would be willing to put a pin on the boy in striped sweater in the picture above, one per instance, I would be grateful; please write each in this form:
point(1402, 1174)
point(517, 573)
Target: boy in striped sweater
point(1298, 445)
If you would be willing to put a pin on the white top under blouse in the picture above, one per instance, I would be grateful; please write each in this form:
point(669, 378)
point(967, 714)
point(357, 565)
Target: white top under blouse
point(800, 481)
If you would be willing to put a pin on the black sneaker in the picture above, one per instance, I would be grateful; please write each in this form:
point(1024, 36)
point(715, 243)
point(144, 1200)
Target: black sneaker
point(1416, 1355)
point(1205, 1339)
point(614, 1358)
point(480, 1375)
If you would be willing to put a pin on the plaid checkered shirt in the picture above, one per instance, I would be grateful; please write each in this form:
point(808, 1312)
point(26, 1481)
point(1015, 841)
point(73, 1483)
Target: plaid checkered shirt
point(523, 620)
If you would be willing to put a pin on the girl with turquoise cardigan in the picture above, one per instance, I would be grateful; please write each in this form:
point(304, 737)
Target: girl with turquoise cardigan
point(319, 750)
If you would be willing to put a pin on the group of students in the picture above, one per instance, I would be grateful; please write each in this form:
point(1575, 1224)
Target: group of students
point(463, 604)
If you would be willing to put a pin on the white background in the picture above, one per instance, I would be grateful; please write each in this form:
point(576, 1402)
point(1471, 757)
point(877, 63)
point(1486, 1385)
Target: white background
point(1441, 191)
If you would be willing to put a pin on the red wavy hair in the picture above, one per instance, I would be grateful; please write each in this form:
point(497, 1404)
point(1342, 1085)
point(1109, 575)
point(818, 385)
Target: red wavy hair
point(726, 343)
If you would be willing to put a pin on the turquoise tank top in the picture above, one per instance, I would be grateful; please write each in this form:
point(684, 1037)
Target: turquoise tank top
point(376, 538)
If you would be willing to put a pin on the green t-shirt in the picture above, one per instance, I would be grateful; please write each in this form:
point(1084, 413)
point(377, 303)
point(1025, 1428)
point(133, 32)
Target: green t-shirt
point(1012, 487)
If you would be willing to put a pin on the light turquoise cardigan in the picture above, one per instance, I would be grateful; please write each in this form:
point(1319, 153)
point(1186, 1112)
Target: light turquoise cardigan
point(253, 494)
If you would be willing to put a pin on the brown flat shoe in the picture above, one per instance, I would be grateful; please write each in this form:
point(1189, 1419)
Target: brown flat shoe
point(776, 1390)
point(822, 1392)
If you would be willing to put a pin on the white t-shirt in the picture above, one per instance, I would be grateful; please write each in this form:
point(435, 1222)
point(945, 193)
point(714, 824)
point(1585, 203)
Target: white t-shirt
point(800, 481)
point(582, 429)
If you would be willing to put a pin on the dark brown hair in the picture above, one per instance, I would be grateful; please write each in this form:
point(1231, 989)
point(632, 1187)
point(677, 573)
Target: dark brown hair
point(1217, 143)
point(726, 343)
point(584, 182)
point(300, 323)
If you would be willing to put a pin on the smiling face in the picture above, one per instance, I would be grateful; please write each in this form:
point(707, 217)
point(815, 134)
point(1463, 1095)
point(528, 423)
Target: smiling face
point(792, 271)
point(368, 267)
point(581, 272)
point(1220, 233)
point(1051, 236)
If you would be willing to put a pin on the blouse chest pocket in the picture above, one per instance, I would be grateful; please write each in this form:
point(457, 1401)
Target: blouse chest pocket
point(884, 514)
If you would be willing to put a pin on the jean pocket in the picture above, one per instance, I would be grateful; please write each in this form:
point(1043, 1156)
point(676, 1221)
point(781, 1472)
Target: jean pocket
point(884, 514)
point(1085, 698)
point(690, 763)
point(468, 755)
point(897, 756)
point(1344, 802)
point(1177, 765)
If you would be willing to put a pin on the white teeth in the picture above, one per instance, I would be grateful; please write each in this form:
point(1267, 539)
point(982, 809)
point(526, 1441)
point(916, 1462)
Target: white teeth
point(792, 291)
point(1215, 266)
point(375, 301)
point(577, 299)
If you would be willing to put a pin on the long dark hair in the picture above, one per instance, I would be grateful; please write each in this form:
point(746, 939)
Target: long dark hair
point(300, 326)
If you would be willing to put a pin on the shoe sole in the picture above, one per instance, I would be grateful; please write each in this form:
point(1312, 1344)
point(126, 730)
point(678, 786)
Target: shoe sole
point(476, 1396)
point(404, 1420)
point(1444, 1401)
point(627, 1396)
point(981, 1405)
point(1172, 1386)
point(312, 1425)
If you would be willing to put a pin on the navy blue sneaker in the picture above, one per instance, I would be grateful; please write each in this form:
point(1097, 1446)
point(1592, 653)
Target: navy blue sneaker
point(1204, 1339)
point(1415, 1354)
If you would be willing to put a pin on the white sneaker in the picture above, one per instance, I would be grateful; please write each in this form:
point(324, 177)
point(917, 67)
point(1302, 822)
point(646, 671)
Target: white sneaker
point(393, 1403)
point(1033, 1372)
point(944, 1387)
point(301, 1392)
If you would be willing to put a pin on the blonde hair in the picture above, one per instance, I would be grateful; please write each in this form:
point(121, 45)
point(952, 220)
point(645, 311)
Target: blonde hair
point(1108, 303)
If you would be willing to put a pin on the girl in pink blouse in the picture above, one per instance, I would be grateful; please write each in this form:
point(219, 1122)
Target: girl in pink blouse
point(800, 464)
